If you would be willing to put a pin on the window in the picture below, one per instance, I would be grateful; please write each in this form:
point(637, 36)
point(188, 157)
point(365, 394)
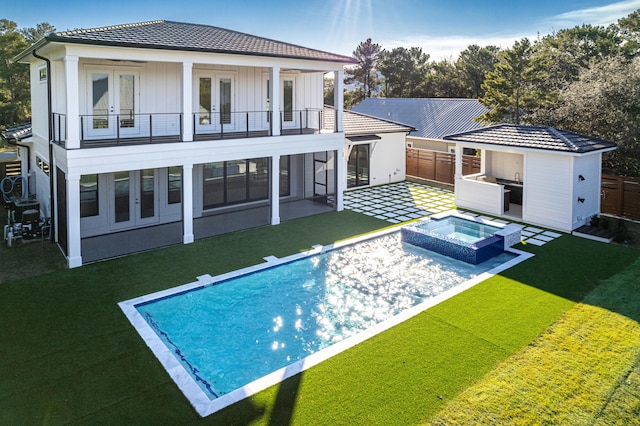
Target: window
point(42, 165)
point(174, 185)
point(43, 74)
point(89, 195)
point(288, 100)
point(285, 175)
point(235, 182)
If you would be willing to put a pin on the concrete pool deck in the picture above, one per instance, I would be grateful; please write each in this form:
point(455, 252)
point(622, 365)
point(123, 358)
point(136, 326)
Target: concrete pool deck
point(405, 201)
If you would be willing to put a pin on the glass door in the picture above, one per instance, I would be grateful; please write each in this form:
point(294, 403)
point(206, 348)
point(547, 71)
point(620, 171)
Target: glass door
point(358, 166)
point(215, 109)
point(135, 200)
point(112, 105)
point(289, 118)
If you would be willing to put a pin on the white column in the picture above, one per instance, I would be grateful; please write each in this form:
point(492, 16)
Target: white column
point(338, 98)
point(483, 161)
point(274, 101)
point(74, 243)
point(73, 101)
point(458, 169)
point(275, 190)
point(341, 178)
point(187, 101)
point(187, 203)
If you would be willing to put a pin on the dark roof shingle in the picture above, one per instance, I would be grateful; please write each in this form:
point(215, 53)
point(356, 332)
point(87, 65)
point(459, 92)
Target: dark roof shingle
point(359, 124)
point(172, 35)
point(534, 137)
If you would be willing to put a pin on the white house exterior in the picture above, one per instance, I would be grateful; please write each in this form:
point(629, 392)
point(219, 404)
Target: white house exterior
point(539, 175)
point(374, 150)
point(161, 132)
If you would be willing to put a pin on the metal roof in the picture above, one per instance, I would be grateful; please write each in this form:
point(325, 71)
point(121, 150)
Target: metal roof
point(170, 35)
point(19, 132)
point(533, 137)
point(433, 118)
point(354, 123)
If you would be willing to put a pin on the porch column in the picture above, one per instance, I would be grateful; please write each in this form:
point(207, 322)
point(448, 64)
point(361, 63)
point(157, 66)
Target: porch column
point(274, 99)
point(275, 190)
point(341, 178)
point(458, 171)
point(73, 102)
point(338, 99)
point(483, 161)
point(187, 101)
point(187, 203)
point(74, 243)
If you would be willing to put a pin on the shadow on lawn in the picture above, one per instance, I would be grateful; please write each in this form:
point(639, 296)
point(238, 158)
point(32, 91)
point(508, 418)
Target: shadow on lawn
point(572, 267)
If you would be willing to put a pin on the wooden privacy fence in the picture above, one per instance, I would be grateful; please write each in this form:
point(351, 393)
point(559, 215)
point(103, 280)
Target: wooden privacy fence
point(438, 166)
point(620, 196)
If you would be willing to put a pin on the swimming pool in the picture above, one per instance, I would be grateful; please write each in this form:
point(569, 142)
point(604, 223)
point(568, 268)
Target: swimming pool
point(255, 327)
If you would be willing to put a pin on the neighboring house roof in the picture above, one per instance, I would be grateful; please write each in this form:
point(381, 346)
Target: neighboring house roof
point(534, 137)
point(432, 118)
point(19, 132)
point(170, 35)
point(355, 124)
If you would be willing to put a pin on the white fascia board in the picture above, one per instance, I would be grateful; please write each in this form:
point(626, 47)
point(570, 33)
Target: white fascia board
point(107, 160)
point(163, 55)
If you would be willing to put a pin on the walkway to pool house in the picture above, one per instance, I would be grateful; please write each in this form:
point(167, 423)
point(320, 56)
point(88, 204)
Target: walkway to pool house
point(404, 201)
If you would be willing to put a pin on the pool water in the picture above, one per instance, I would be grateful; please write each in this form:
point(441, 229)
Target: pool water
point(459, 229)
point(234, 332)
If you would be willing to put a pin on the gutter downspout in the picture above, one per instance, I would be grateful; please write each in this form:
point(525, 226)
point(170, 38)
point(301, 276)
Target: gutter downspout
point(50, 128)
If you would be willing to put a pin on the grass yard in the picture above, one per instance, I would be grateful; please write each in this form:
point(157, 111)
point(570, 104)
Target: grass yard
point(70, 355)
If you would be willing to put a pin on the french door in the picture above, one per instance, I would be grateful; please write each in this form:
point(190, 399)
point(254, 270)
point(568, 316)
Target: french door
point(134, 196)
point(215, 95)
point(113, 104)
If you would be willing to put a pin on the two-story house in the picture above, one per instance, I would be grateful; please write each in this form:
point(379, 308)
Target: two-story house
point(158, 133)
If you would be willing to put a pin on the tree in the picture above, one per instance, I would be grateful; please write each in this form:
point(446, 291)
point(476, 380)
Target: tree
point(364, 75)
point(444, 80)
point(31, 35)
point(404, 71)
point(512, 88)
point(605, 102)
point(474, 63)
point(629, 32)
point(15, 99)
point(14, 78)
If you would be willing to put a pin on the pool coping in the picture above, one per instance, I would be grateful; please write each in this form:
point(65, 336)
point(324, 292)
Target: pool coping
point(201, 402)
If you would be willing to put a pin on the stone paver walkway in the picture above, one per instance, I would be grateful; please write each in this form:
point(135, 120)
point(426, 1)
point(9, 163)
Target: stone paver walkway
point(404, 201)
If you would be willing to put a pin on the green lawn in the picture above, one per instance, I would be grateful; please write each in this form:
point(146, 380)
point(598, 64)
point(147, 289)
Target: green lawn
point(70, 356)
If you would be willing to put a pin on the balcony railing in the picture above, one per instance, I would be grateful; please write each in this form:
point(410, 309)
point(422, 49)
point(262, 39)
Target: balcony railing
point(130, 128)
point(101, 130)
point(247, 124)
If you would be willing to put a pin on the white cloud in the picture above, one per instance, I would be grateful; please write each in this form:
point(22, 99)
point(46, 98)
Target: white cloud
point(603, 15)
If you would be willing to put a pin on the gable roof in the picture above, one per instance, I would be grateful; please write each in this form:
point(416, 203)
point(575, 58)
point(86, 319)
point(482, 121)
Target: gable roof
point(170, 35)
point(533, 137)
point(355, 124)
point(433, 118)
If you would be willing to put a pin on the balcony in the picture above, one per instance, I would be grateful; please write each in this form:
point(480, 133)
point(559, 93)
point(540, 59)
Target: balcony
point(107, 130)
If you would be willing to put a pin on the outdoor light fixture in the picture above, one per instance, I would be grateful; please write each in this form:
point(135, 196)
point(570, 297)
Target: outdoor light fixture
point(580, 200)
point(580, 178)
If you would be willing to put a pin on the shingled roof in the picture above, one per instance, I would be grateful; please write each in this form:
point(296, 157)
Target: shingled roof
point(533, 137)
point(355, 124)
point(432, 118)
point(170, 35)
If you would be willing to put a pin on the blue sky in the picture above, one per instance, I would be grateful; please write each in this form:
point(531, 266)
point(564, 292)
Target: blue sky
point(442, 28)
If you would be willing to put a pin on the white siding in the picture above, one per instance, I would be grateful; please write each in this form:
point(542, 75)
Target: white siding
point(589, 168)
point(504, 165)
point(547, 197)
point(387, 163)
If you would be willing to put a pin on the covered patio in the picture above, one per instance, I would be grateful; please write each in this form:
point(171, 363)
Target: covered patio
point(536, 174)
